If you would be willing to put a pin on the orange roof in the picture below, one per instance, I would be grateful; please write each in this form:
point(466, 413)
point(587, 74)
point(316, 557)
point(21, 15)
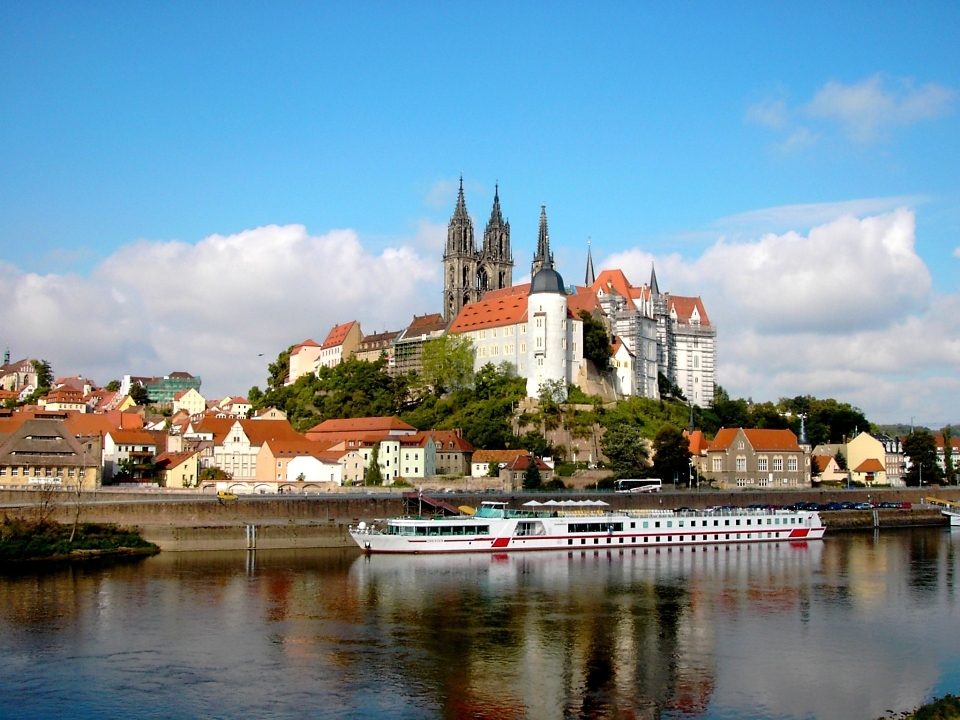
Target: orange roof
point(585, 299)
point(870, 465)
point(360, 425)
point(498, 307)
point(293, 448)
point(132, 437)
point(821, 462)
point(65, 394)
point(497, 455)
point(257, 431)
point(306, 343)
point(450, 441)
point(615, 280)
point(170, 460)
point(522, 462)
point(684, 307)
point(698, 442)
point(758, 439)
point(338, 334)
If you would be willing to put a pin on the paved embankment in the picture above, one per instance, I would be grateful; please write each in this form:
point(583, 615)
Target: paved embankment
point(191, 522)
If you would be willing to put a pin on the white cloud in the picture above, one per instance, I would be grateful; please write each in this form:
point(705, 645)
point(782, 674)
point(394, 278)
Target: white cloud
point(769, 113)
point(211, 308)
point(804, 216)
point(844, 311)
point(867, 109)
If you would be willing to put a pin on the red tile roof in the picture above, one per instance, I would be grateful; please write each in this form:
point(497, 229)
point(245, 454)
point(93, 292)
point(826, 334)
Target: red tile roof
point(522, 462)
point(132, 437)
point(306, 343)
point(170, 460)
point(758, 439)
point(450, 441)
point(293, 448)
point(360, 425)
point(338, 334)
point(497, 455)
point(684, 307)
point(698, 442)
point(617, 281)
point(870, 465)
point(498, 307)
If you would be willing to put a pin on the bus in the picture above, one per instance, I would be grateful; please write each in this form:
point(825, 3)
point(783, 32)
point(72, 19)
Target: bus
point(642, 485)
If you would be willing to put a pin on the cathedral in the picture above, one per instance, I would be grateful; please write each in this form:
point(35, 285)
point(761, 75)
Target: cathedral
point(467, 272)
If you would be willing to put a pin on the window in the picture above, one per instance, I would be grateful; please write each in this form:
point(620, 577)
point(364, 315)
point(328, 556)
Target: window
point(523, 349)
point(791, 464)
point(741, 482)
point(717, 464)
point(523, 327)
point(741, 464)
point(483, 334)
point(762, 464)
point(778, 464)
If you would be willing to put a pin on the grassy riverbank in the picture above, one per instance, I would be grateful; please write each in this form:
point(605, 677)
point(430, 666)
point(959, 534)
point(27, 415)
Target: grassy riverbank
point(25, 540)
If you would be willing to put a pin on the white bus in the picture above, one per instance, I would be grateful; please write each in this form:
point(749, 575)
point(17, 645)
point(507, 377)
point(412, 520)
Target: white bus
point(642, 485)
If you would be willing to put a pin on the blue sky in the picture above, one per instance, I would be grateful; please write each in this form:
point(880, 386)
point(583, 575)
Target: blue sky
point(654, 130)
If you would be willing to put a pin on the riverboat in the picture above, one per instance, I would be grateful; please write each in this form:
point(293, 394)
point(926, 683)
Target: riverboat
point(582, 525)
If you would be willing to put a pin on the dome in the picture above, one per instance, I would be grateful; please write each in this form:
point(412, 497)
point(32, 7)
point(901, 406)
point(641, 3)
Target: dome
point(547, 280)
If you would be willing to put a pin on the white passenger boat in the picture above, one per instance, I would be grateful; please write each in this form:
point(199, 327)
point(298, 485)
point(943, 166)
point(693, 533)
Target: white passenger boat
point(954, 516)
point(582, 525)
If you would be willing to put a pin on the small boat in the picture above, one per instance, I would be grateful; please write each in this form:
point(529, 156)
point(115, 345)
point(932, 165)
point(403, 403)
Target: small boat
point(947, 508)
point(582, 524)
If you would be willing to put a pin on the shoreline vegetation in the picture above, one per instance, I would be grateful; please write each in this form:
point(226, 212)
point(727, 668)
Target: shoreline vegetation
point(24, 540)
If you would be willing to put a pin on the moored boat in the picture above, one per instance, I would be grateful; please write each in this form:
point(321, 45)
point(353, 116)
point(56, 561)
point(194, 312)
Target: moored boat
point(581, 525)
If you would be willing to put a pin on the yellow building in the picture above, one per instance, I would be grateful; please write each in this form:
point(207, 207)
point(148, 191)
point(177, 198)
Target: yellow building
point(866, 458)
point(190, 400)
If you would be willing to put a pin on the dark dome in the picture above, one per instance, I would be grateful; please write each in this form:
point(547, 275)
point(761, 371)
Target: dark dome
point(547, 280)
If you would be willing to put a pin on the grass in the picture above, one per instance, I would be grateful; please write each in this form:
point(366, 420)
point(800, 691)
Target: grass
point(945, 708)
point(24, 540)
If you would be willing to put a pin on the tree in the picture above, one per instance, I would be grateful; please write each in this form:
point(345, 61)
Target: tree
point(671, 455)
point(447, 362)
point(493, 469)
point(139, 394)
point(921, 448)
point(44, 373)
point(279, 370)
point(596, 341)
point(213, 473)
point(668, 388)
point(373, 476)
point(112, 386)
point(626, 450)
point(841, 460)
point(531, 476)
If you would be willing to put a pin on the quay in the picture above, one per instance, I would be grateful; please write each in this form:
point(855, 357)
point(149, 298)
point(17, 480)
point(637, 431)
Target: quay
point(178, 521)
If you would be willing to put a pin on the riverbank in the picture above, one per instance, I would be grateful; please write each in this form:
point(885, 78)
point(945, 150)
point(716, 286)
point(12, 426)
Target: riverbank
point(22, 541)
point(945, 708)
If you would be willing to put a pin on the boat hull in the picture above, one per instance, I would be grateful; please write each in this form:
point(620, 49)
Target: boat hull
point(573, 533)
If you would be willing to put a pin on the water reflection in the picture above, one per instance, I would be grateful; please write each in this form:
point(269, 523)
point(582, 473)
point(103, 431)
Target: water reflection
point(846, 628)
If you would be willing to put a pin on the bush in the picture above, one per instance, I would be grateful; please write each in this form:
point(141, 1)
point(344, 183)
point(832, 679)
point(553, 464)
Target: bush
point(554, 484)
point(23, 540)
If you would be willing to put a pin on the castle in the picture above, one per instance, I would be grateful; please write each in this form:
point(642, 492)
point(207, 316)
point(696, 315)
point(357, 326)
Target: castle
point(537, 327)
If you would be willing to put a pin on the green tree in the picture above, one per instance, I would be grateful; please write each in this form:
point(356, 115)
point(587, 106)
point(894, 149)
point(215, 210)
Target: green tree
point(730, 413)
point(213, 474)
point(626, 450)
point(112, 386)
point(531, 476)
point(671, 455)
point(138, 393)
point(279, 371)
point(921, 448)
point(373, 476)
point(841, 460)
point(447, 362)
point(44, 373)
point(493, 469)
point(596, 341)
point(668, 388)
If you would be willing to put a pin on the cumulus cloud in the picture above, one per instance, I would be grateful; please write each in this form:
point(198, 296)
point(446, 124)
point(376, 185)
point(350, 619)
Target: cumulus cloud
point(845, 310)
point(770, 113)
point(212, 307)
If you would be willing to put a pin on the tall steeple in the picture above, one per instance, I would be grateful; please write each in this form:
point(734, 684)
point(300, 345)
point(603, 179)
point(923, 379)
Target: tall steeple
point(590, 278)
point(496, 260)
point(459, 260)
point(654, 289)
point(543, 258)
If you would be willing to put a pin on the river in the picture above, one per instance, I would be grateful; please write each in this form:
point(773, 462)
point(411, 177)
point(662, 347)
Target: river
point(851, 627)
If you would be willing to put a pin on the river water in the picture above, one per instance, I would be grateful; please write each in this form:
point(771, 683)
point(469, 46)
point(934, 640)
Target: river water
point(850, 627)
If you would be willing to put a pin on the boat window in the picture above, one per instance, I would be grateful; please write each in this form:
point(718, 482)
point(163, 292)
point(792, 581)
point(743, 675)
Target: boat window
point(594, 527)
point(421, 530)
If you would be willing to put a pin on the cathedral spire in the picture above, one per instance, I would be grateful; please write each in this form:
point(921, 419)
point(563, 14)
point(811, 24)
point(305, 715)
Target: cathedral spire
point(461, 209)
point(543, 258)
point(496, 217)
point(654, 288)
point(591, 278)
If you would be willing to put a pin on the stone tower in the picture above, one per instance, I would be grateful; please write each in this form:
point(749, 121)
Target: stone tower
point(496, 260)
point(543, 258)
point(467, 272)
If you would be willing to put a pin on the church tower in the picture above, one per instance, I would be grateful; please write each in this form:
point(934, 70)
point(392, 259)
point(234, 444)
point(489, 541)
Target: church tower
point(543, 258)
point(496, 260)
point(459, 261)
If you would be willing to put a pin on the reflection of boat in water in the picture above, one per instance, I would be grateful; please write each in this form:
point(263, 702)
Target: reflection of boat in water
point(583, 525)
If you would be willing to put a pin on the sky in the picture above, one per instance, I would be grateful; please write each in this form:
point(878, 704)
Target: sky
point(198, 186)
